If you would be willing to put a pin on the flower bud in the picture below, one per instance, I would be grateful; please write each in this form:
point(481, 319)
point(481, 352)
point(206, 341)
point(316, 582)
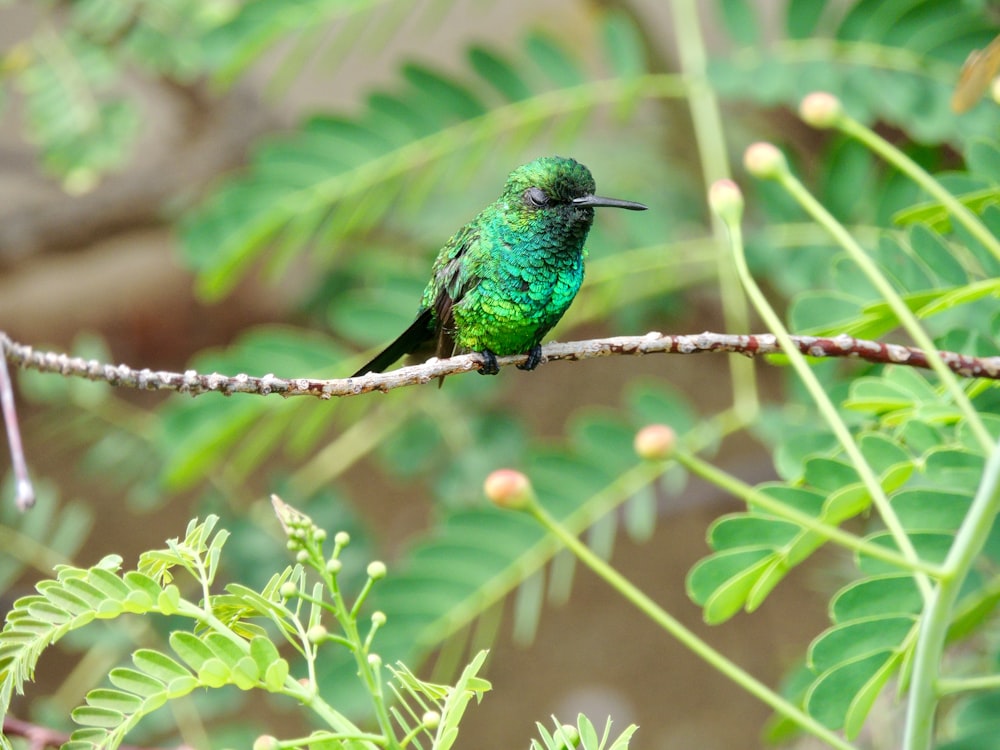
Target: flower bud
point(821, 110)
point(726, 200)
point(508, 489)
point(764, 160)
point(569, 735)
point(655, 442)
point(288, 590)
point(430, 719)
point(266, 742)
point(316, 634)
point(376, 570)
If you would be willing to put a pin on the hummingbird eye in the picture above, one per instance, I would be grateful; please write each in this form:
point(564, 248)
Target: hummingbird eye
point(536, 197)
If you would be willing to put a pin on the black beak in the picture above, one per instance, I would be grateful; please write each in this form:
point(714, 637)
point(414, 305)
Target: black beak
point(597, 200)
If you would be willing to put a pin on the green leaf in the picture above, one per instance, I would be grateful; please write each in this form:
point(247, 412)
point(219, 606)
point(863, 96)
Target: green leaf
point(829, 474)
point(114, 700)
point(858, 638)
point(499, 73)
point(831, 697)
point(818, 310)
point(447, 96)
point(93, 716)
point(157, 665)
point(190, 648)
point(136, 682)
point(624, 45)
point(801, 18)
point(722, 582)
point(937, 255)
point(740, 21)
point(876, 596)
point(275, 675)
point(742, 530)
point(214, 672)
point(553, 60)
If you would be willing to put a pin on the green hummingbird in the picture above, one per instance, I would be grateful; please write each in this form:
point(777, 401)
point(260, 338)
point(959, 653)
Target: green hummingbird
point(505, 278)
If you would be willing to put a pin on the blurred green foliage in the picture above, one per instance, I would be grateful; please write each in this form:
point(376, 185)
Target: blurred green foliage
point(361, 200)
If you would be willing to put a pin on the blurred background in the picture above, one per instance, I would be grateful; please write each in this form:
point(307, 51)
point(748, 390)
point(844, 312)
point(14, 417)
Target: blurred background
point(261, 186)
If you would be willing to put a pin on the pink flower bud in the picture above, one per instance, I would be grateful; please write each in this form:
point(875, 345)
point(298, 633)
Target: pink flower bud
point(655, 442)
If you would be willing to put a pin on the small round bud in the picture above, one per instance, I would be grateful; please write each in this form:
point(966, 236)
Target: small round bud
point(376, 570)
point(821, 110)
point(374, 660)
point(288, 590)
point(764, 160)
point(266, 742)
point(430, 719)
point(316, 634)
point(726, 199)
point(320, 535)
point(508, 489)
point(291, 545)
point(342, 539)
point(333, 565)
point(302, 556)
point(655, 442)
point(378, 619)
point(569, 735)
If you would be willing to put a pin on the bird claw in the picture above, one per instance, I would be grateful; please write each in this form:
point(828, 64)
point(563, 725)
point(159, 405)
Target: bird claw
point(534, 358)
point(489, 366)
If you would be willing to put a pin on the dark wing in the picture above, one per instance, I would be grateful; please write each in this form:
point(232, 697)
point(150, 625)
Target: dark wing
point(454, 275)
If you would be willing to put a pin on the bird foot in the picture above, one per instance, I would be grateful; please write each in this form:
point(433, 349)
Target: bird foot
point(489, 366)
point(534, 358)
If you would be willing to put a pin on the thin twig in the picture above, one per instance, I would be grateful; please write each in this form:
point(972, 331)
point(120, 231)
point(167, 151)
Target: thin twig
point(25, 490)
point(195, 383)
point(40, 737)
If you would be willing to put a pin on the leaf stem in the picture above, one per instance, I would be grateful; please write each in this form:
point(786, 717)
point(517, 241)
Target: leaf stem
point(947, 686)
point(969, 541)
point(903, 313)
point(906, 165)
point(712, 151)
point(818, 394)
point(691, 641)
point(835, 534)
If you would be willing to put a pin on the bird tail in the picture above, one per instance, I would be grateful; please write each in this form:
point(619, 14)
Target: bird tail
point(409, 340)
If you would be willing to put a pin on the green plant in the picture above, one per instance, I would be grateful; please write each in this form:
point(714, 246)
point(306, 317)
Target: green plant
point(233, 639)
point(893, 239)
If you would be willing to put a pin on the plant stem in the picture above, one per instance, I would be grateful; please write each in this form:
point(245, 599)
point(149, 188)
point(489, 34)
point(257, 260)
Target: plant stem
point(712, 152)
point(969, 541)
point(691, 641)
point(820, 397)
point(968, 684)
point(919, 175)
point(832, 533)
point(899, 308)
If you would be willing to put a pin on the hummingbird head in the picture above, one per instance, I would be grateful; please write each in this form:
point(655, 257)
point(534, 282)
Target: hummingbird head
point(558, 188)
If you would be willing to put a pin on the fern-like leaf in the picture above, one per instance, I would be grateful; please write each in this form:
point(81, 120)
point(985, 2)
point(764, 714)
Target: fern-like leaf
point(339, 176)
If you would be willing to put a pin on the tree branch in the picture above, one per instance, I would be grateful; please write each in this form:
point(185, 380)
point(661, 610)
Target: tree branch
point(40, 737)
point(195, 383)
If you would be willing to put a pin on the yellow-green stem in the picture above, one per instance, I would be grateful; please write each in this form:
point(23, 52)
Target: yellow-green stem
point(903, 313)
point(711, 141)
point(827, 409)
point(691, 641)
point(832, 533)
